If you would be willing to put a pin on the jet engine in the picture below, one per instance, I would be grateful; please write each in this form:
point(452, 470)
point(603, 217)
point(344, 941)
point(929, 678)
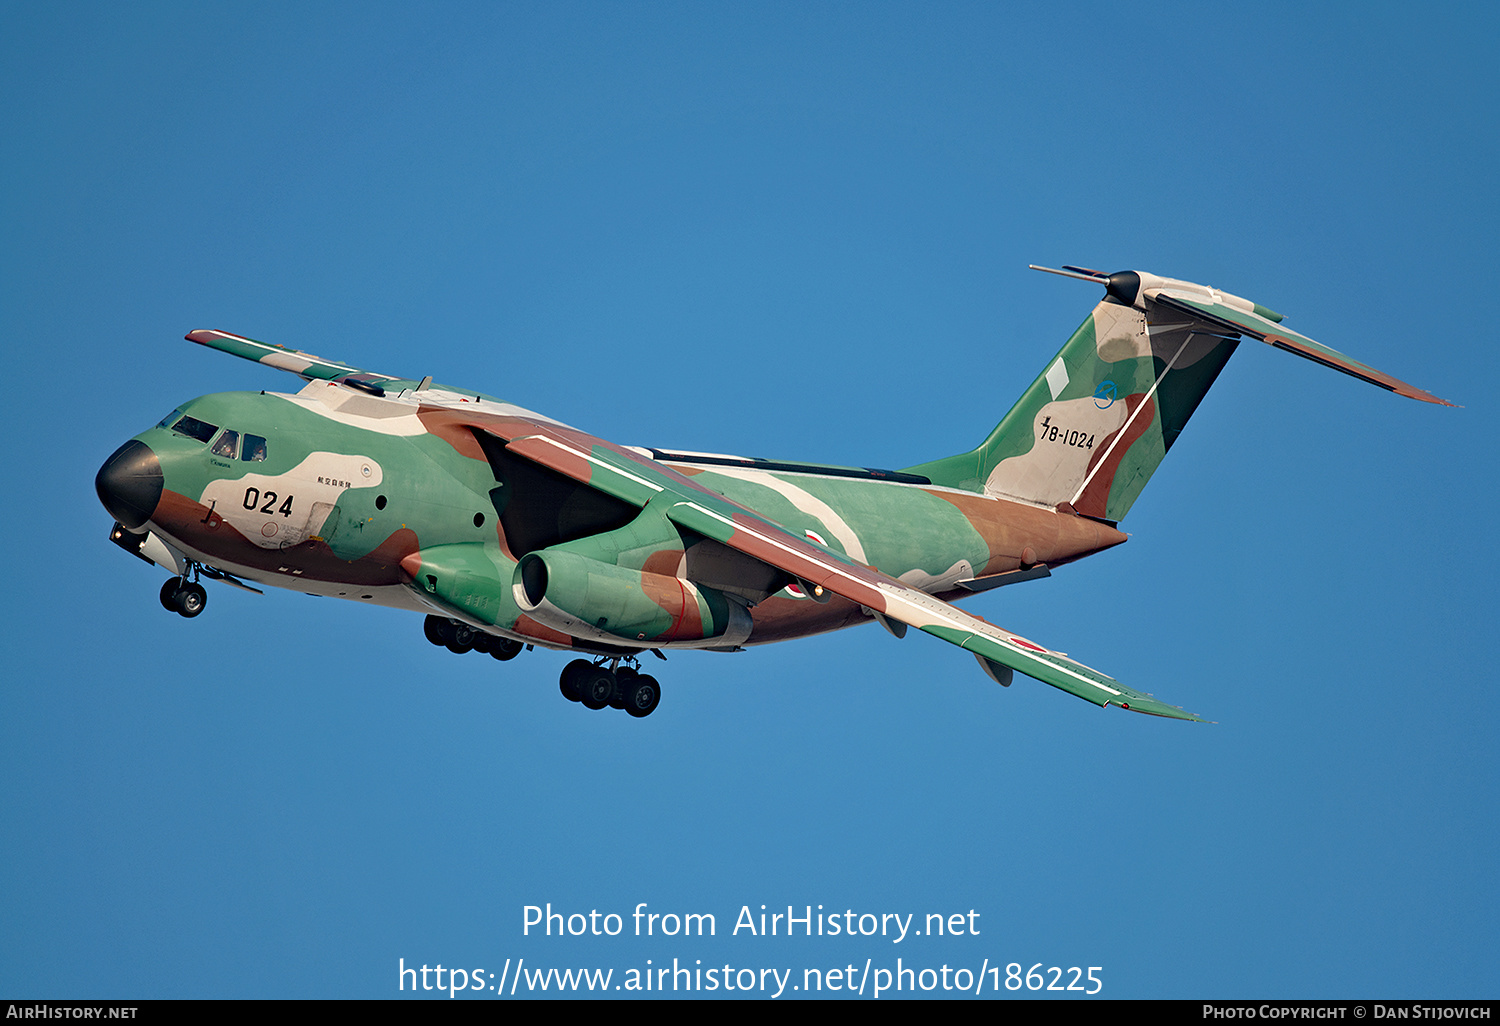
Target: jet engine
point(591, 599)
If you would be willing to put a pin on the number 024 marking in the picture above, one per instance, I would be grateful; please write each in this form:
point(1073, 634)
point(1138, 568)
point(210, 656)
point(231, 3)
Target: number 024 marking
point(253, 497)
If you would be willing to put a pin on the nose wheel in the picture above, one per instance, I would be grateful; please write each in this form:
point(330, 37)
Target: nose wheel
point(183, 597)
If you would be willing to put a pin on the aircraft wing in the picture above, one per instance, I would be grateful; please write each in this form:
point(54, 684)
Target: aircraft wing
point(639, 480)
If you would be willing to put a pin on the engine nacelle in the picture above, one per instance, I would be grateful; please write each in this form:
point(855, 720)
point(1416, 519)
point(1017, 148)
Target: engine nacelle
point(590, 599)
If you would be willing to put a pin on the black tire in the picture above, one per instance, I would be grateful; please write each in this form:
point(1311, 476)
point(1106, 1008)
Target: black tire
point(571, 681)
point(482, 642)
point(462, 639)
point(642, 695)
point(434, 628)
point(598, 687)
point(190, 599)
point(444, 629)
point(624, 678)
point(169, 594)
point(504, 648)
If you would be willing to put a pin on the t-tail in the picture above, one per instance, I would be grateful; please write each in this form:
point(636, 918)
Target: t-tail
point(1090, 431)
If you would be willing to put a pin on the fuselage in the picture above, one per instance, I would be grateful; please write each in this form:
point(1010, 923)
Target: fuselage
point(335, 492)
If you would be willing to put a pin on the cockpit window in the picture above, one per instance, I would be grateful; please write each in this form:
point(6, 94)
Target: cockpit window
point(228, 445)
point(195, 428)
point(255, 449)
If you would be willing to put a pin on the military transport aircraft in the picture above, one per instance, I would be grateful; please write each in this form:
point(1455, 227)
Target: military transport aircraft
point(511, 530)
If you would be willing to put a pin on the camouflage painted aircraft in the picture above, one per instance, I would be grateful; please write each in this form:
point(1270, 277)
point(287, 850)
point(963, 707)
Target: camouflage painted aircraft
point(511, 530)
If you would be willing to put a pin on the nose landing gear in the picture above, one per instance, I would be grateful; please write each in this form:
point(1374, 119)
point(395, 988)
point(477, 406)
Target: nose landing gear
point(183, 594)
point(183, 597)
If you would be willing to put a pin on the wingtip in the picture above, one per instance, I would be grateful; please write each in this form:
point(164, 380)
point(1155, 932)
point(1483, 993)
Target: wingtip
point(1168, 712)
point(208, 336)
point(1421, 395)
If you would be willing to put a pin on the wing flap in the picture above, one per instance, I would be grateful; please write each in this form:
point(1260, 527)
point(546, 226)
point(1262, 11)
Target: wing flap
point(635, 478)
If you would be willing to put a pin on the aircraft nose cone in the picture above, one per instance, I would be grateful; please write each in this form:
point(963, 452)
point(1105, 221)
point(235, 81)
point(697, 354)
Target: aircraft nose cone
point(129, 484)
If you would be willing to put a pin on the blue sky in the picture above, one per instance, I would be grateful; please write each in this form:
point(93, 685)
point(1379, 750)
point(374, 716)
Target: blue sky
point(795, 231)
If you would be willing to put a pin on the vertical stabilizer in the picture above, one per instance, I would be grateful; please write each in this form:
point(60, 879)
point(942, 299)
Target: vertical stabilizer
point(1097, 421)
point(1093, 427)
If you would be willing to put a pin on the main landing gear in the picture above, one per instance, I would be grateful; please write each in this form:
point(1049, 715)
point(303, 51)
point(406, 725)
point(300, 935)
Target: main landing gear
point(459, 638)
point(606, 682)
point(615, 682)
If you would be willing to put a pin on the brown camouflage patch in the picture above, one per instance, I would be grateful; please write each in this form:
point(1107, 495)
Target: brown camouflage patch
point(528, 627)
point(453, 427)
point(1094, 502)
point(189, 523)
point(1010, 529)
point(780, 618)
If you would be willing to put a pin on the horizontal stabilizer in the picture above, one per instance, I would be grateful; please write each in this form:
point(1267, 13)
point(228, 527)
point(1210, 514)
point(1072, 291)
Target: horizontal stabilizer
point(1235, 315)
point(1251, 322)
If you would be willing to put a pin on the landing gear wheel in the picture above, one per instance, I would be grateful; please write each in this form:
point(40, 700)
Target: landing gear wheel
point(482, 642)
point(598, 687)
point(504, 648)
point(624, 677)
point(571, 681)
point(434, 628)
point(169, 594)
point(461, 639)
point(190, 599)
point(642, 695)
